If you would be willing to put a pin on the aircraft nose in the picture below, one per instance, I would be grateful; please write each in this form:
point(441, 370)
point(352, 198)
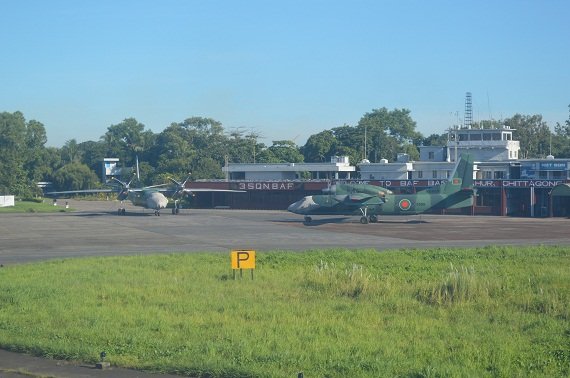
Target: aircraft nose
point(157, 201)
point(293, 207)
point(302, 206)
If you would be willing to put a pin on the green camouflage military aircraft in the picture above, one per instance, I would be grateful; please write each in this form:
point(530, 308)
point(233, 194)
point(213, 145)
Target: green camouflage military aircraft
point(370, 201)
point(150, 197)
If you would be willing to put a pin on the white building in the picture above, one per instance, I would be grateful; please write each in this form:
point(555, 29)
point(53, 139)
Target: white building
point(545, 169)
point(338, 168)
point(483, 144)
point(110, 169)
point(7, 201)
point(385, 170)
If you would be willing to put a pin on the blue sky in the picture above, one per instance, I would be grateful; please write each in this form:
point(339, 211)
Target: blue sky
point(286, 69)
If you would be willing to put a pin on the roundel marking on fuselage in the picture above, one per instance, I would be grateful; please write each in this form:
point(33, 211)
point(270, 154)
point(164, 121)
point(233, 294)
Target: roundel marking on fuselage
point(405, 204)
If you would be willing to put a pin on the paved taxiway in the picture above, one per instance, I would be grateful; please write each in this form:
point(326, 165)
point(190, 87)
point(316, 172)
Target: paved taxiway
point(95, 229)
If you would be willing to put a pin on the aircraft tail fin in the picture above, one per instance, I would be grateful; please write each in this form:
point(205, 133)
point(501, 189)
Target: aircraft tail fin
point(462, 178)
point(138, 172)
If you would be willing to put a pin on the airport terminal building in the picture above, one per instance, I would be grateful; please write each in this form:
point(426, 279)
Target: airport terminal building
point(505, 185)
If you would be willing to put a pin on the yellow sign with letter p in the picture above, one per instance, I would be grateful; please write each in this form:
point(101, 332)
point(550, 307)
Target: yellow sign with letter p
point(243, 259)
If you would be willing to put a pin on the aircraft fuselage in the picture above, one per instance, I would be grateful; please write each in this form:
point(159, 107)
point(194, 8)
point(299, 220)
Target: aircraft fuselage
point(394, 204)
point(149, 199)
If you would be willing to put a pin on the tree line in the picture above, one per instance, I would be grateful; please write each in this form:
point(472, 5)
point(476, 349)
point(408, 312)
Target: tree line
point(202, 146)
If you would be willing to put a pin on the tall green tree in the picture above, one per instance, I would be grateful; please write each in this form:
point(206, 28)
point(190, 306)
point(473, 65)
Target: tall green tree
point(49, 161)
point(439, 140)
point(125, 141)
point(92, 154)
point(389, 132)
point(242, 148)
point(75, 176)
point(36, 160)
point(282, 151)
point(173, 152)
point(319, 147)
point(206, 136)
point(197, 145)
point(205, 167)
point(13, 148)
point(561, 139)
point(379, 134)
point(70, 152)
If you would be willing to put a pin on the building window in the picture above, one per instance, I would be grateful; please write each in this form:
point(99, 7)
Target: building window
point(499, 175)
point(447, 174)
point(420, 174)
point(488, 175)
point(434, 174)
point(431, 155)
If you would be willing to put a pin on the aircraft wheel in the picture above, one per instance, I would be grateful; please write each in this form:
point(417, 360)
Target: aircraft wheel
point(174, 211)
point(119, 212)
point(373, 219)
point(177, 210)
point(364, 220)
point(308, 219)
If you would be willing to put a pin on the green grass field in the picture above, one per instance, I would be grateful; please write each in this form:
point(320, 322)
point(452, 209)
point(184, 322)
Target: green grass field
point(493, 311)
point(35, 207)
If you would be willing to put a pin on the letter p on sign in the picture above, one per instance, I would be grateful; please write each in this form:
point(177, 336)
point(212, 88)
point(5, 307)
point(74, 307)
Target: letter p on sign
point(243, 259)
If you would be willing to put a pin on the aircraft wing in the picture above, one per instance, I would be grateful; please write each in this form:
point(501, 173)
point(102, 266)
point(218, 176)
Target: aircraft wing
point(358, 197)
point(85, 191)
point(213, 190)
point(157, 186)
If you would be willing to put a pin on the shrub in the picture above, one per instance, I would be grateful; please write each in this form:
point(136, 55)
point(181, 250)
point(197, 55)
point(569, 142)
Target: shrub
point(351, 281)
point(460, 285)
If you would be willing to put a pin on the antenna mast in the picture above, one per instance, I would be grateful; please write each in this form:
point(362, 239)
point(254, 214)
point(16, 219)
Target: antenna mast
point(468, 111)
point(365, 141)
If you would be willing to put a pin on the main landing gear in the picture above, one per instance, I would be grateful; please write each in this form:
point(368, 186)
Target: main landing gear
point(365, 218)
point(308, 219)
point(176, 208)
point(121, 210)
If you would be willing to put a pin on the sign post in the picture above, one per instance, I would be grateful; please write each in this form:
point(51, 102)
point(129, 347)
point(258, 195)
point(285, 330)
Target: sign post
point(242, 259)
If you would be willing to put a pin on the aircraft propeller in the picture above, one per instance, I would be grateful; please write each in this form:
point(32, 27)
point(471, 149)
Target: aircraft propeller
point(125, 187)
point(180, 187)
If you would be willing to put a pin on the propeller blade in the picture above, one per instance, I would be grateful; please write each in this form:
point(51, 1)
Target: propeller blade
point(123, 184)
point(174, 181)
point(180, 186)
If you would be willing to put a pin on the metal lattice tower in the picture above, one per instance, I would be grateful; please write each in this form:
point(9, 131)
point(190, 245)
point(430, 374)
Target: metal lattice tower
point(468, 119)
